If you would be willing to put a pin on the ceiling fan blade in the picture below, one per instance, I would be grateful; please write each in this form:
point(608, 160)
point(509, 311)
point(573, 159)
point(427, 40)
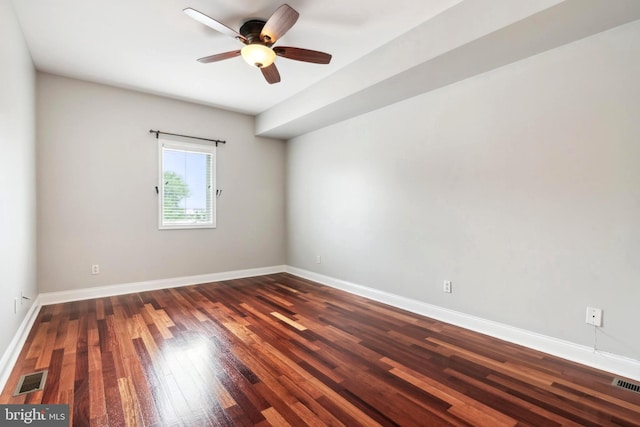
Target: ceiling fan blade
point(305, 55)
point(219, 57)
point(212, 23)
point(271, 74)
point(279, 23)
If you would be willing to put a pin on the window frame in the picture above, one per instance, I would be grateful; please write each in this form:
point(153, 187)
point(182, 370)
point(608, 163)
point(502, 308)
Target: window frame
point(202, 148)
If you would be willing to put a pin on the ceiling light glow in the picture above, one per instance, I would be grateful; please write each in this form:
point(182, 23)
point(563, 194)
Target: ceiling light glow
point(258, 55)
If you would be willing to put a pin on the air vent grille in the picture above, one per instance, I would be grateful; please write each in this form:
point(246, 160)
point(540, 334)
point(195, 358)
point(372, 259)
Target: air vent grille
point(626, 385)
point(31, 382)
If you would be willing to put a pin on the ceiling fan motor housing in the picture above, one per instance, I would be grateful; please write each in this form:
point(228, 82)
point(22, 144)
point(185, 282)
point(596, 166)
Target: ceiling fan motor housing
point(251, 31)
point(257, 51)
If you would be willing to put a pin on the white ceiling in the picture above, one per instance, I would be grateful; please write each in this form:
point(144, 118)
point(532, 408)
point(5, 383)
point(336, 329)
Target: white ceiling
point(152, 46)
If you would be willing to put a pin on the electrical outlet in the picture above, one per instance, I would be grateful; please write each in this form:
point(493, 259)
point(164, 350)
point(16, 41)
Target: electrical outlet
point(446, 287)
point(15, 305)
point(95, 269)
point(594, 316)
point(318, 259)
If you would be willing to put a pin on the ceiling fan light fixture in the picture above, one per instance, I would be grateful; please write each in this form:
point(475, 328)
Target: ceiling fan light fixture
point(258, 55)
point(259, 36)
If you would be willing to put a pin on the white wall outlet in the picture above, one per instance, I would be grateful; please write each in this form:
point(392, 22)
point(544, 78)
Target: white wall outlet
point(95, 269)
point(446, 287)
point(318, 259)
point(594, 316)
point(15, 305)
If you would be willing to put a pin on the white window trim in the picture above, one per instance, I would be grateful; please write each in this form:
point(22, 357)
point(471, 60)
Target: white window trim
point(193, 147)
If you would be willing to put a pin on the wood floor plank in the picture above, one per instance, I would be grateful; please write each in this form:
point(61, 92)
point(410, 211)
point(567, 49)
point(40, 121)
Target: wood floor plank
point(513, 406)
point(274, 417)
point(281, 350)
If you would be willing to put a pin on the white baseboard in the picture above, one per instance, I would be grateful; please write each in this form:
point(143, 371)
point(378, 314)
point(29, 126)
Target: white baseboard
point(12, 352)
point(151, 285)
point(609, 362)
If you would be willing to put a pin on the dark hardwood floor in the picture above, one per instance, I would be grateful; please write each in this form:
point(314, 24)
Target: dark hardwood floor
point(280, 350)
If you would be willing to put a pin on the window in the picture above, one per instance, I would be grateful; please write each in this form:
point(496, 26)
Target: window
point(187, 183)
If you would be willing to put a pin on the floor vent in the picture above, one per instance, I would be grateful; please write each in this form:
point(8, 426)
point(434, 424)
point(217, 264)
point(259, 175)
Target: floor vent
point(31, 382)
point(626, 385)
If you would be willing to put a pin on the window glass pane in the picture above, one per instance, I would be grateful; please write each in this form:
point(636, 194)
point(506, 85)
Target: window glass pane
point(187, 183)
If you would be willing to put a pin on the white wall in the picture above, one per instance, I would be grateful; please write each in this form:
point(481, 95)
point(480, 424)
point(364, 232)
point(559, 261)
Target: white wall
point(97, 169)
point(521, 185)
point(17, 175)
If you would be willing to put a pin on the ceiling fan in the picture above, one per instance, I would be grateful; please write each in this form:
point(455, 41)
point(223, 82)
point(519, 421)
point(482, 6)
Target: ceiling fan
point(258, 37)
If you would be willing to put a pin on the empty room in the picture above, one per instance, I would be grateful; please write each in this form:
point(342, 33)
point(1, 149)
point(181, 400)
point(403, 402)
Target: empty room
point(407, 213)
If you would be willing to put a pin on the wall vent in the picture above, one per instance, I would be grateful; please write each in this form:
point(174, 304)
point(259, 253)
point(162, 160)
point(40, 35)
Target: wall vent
point(626, 385)
point(31, 382)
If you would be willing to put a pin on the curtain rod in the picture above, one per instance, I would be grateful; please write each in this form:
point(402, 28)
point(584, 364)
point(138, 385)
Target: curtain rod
point(158, 133)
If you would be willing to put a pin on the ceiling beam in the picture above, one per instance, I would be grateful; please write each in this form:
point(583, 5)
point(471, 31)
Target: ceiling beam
point(488, 35)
